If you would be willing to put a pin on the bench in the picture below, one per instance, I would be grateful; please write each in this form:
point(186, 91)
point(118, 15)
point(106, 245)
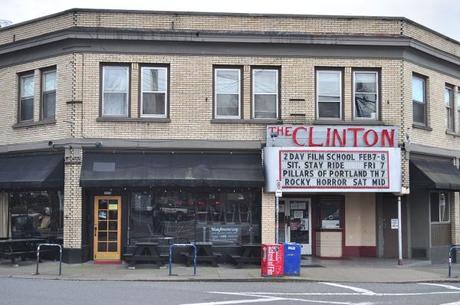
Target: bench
point(204, 254)
point(248, 254)
point(13, 249)
point(145, 252)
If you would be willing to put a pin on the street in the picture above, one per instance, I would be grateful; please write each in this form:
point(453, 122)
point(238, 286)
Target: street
point(14, 291)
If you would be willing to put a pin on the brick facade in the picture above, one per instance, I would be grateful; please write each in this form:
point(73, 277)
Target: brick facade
point(191, 89)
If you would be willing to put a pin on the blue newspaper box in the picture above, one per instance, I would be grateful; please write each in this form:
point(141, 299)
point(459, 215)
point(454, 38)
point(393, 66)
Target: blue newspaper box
point(292, 259)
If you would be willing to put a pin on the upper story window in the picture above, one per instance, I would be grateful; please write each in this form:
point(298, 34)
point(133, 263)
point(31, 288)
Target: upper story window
point(440, 207)
point(366, 98)
point(227, 93)
point(329, 94)
point(419, 102)
point(154, 92)
point(265, 93)
point(48, 106)
point(26, 97)
point(115, 90)
point(458, 107)
point(449, 104)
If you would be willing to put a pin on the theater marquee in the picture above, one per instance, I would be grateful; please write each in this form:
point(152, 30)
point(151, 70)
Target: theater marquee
point(356, 167)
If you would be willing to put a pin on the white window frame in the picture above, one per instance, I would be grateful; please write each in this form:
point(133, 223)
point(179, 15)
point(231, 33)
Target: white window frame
point(318, 71)
point(42, 103)
point(127, 91)
point(377, 100)
point(457, 106)
point(424, 102)
point(215, 94)
point(21, 97)
point(450, 107)
point(165, 113)
point(448, 203)
point(254, 93)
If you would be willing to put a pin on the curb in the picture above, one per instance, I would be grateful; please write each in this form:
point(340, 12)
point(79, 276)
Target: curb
point(227, 280)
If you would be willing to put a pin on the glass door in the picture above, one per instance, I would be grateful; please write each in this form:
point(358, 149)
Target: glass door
point(298, 215)
point(107, 228)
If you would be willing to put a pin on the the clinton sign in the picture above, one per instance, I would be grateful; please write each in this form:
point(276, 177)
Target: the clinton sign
point(332, 159)
point(331, 136)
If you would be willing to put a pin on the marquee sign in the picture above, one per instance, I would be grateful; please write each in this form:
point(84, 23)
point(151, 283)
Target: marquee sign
point(331, 136)
point(318, 169)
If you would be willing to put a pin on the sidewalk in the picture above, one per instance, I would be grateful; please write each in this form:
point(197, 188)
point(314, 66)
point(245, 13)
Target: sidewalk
point(347, 270)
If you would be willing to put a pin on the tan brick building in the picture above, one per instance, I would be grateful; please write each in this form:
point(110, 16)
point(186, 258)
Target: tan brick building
point(133, 125)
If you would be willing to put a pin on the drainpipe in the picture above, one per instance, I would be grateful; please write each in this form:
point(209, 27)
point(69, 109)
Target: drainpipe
point(399, 232)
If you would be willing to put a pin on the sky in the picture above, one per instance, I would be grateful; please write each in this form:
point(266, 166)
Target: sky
point(440, 15)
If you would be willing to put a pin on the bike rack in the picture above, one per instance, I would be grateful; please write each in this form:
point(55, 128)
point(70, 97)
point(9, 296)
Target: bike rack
point(452, 247)
point(60, 256)
point(171, 247)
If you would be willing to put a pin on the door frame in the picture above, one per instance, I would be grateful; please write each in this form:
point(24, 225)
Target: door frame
point(306, 249)
point(117, 255)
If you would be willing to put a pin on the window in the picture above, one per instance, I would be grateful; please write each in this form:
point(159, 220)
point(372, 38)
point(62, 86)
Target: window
point(458, 107)
point(419, 100)
point(26, 97)
point(115, 91)
point(48, 107)
point(154, 96)
point(36, 214)
point(220, 216)
point(366, 95)
point(227, 93)
point(265, 93)
point(449, 103)
point(440, 207)
point(330, 210)
point(329, 94)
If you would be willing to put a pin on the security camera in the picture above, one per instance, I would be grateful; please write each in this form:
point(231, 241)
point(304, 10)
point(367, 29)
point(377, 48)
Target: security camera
point(50, 143)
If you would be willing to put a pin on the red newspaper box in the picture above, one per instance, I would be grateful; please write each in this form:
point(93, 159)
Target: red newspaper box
point(272, 260)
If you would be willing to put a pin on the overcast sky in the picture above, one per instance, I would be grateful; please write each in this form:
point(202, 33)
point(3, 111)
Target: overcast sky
point(440, 15)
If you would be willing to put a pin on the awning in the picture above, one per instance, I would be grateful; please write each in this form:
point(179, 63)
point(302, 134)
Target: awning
point(171, 169)
point(31, 171)
point(434, 173)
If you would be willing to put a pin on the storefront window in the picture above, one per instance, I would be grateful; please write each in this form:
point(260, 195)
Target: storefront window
point(218, 216)
point(36, 214)
point(330, 214)
point(440, 207)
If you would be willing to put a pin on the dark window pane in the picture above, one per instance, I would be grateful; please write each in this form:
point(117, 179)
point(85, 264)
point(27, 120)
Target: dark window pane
point(265, 106)
point(227, 105)
point(49, 105)
point(103, 204)
point(329, 110)
point(102, 225)
point(102, 215)
point(102, 236)
point(102, 247)
point(434, 201)
point(113, 225)
point(153, 103)
point(113, 215)
point(365, 106)
point(27, 109)
point(419, 112)
point(365, 82)
point(113, 247)
point(113, 236)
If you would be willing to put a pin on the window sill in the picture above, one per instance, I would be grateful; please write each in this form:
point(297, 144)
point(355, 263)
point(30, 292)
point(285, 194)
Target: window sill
point(134, 120)
point(26, 124)
point(452, 133)
point(423, 127)
point(243, 121)
point(354, 122)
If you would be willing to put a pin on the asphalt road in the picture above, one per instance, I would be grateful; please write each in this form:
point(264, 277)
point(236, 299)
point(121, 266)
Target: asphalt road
point(15, 291)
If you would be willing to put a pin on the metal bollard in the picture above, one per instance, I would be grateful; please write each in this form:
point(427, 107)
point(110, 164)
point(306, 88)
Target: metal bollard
point(171, 247)
point(60, 257)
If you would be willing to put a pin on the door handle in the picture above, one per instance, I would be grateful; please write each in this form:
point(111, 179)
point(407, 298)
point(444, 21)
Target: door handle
point(95, 230)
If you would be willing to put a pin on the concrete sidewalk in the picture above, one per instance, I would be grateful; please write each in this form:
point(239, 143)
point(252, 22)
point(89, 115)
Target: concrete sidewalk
point(346, 270)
